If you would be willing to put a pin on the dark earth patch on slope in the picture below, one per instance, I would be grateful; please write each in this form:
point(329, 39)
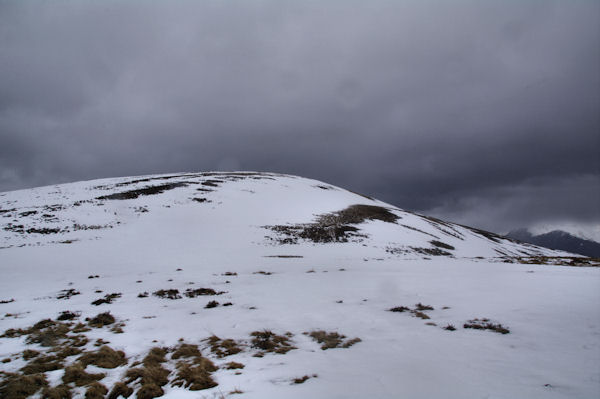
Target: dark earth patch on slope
point(132, 194)
point(333, 227)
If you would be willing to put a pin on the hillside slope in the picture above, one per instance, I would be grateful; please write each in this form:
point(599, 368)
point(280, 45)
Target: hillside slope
point(231, 284)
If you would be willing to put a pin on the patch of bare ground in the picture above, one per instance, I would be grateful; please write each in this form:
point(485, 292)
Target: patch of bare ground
point(332, 339)
point(268, 341)
point(486, 324)
point(151, 190)
point(223, 347)
point(333, 227)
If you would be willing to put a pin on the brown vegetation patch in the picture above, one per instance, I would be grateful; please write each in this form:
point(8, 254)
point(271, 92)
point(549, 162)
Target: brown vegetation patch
point(108, 299)
point(485, 324)
point(101, 320)
point(43, 363)
point(105, 357)
point(577, 261)
point(234, 366)
point(211, 304)
point(30, 354)
point(223, 347)
point(96, 391)
point(268, 341)
point(68, 315)
point(57, 392)
point(77, 375)
point(303, 379)
point(333, 227)
point(331, 340)
point(168, 294)
point(152, 376)
point(132, 194)
point(192, 293)
point(14, 386)
point(66, 294)
point(450, 327)
point(120, 389)
point(196, 376)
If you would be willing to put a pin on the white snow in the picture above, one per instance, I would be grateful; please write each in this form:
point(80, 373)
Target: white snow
point(552, 350)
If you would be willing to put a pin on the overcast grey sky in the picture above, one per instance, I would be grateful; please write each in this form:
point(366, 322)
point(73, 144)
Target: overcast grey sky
point(486, 113)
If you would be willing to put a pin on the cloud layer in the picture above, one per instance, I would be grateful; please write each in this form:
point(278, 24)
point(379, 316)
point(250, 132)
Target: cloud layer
point(486, 113)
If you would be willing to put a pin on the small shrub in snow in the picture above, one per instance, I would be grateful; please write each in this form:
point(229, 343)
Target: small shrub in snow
point(211, 304)
point(450, 327)
point(101, 320)
point(270, 342)
point(108, 299)
point(169, 294)
point(485, 324)
point(332, 340)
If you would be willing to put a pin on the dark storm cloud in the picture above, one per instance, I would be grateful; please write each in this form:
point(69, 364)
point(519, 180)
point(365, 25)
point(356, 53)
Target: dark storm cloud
point(482, 112)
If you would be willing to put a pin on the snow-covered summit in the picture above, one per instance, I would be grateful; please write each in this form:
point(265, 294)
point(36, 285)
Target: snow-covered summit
point(246, 211)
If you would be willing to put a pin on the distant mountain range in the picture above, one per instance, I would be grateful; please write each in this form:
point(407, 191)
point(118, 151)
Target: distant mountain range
point(558, 239)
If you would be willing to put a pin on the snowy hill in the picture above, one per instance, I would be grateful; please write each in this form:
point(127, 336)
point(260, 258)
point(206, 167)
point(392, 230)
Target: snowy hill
point(231, 284)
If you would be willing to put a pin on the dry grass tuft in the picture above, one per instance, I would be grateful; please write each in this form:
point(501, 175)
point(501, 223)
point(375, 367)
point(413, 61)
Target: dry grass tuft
point(149, 391)
point(400, 309)
point(105, 357)
point(96, 391)
point(168, 294)
point(152, 376)
point(41, 364)
point(68, 315)
point(192, 293)
point(14, 386)
point(195, 377)
point(234, 366)
point(77, 375)
point(420, 315)
point(101, 320)
point(108, 299)
point(485, 324)
point(223, 347)
point(120, 389)
point(332, 340)
point(29, 354)
point(420, 307)
point(57, 392)
point(268, 341)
